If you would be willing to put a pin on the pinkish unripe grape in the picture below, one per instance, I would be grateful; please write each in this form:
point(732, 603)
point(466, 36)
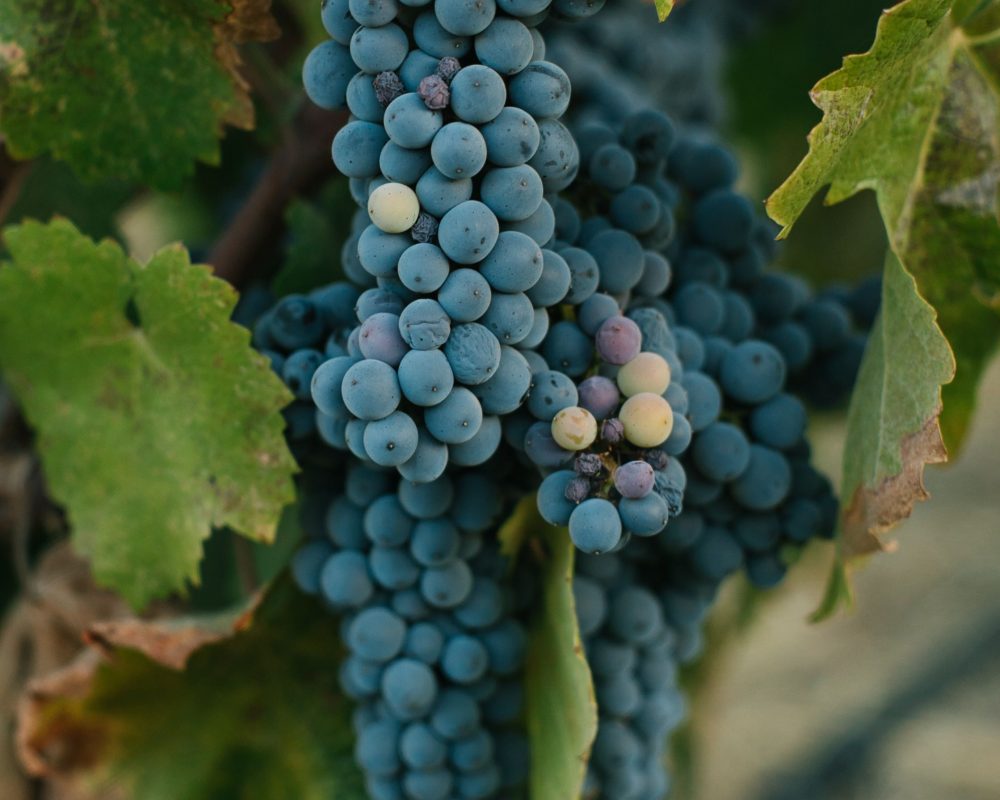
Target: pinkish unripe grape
point(618, 340)
point(599, 396)
point(634, 479)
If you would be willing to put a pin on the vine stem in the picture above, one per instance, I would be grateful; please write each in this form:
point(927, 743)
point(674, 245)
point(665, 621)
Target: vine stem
point(13, 182)
point(300, 161)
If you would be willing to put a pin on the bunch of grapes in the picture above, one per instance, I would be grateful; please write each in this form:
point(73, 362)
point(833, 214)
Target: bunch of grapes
point(435, 646)
point(634, 655)
point(612, 443)
point(454, 140)
point(540, 299)
point(608, 59)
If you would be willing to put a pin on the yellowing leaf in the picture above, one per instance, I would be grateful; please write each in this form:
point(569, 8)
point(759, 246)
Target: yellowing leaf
point(892, 430)
point(155, 418)
point(138, 91)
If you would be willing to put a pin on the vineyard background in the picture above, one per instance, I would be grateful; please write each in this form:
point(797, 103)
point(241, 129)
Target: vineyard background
point(898, 699)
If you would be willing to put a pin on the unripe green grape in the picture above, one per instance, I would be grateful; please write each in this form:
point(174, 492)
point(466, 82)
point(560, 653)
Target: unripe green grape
point(574, 428)
point(647, 418)
point(647, 372)
point(393, 207)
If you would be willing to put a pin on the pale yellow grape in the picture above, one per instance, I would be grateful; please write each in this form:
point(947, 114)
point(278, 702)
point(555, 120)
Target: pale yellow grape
point(647, 372)
point(574, 428)
point(393, 207)
point(647, 418)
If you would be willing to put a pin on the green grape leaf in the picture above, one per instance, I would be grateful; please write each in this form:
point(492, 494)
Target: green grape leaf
point(317, 231)
point(155, 418)
point(559, 692)
point(241, 706)
point(663, 8)
point(892, 429)
point(916, 119)
point(137, 91)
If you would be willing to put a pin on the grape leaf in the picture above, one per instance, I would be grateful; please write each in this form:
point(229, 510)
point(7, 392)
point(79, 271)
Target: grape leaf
point(245, 706)
point(155, 418)
point(559, 692)
point(137, 91)
point(663, 8)
point(905, 364)
point(891, 425)
point(916, 118)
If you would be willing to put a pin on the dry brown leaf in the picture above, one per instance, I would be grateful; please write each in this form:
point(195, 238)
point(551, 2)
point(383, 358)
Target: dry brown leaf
point(168, 642)
point(875, 511)
point(40, 635)
point(251, 21)
point(127, 722)
point(51, 749)
point(66, 749)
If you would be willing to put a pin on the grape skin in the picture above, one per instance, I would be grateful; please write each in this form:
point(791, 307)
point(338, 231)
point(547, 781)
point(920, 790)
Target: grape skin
point(647, 372)
point(574, 428)
point(393, 207)
point(647, 418)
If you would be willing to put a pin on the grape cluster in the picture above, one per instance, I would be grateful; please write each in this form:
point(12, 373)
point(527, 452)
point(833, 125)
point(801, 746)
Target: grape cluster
point(434, 644)
point(574, 288)
point(634, 656)
point(454, 140)
point(744, 460)
point(619, 437)
point(608, 59)
point(719, 287)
